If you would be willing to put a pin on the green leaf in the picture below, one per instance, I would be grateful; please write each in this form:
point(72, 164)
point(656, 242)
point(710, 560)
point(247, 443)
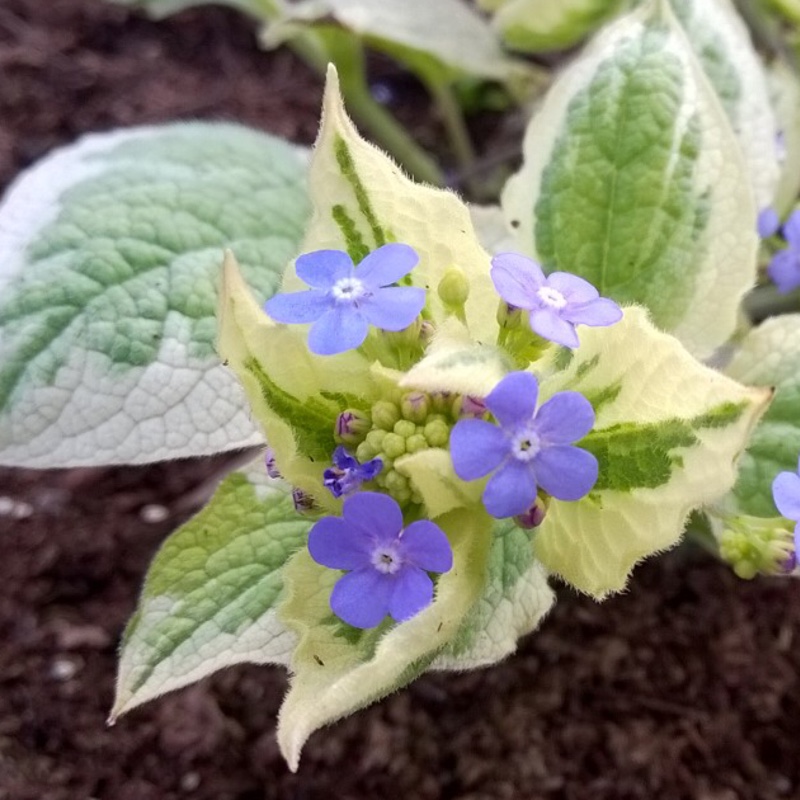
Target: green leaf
point(514, 601)
point(723, 45)
point(111, 250)
point(210, 595)
point(633, 179)
point(337, 669)
point(667, 436)
point(440, 40)
point(535, 26)
point(769, 356)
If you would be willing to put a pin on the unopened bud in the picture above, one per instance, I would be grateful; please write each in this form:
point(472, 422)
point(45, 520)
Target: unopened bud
point(534, 516)
point(351, 426)
point(269, 463)
point(394, 445)
point(415, 406)
point(437, 433)
point(302, 501)
point(453, 288)
point(385, 414)
point(757, 546)
point(466, 405)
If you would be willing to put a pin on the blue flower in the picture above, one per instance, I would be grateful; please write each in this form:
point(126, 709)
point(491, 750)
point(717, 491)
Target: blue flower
point(784, 269)
point(347, 474)
point(556, 303)
point(345, 300)
point(528, 449)
point(387, 564)
point(768, 222)
point(786, 494)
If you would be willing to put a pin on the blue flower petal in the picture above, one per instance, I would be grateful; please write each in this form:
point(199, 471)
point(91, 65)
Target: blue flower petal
point(511, 490)
point(784, 270)
point(340, 329)
point(361, 598)
point(412, 592)
point(323, 268)
point(786, 494)
point(476, 448)
point(394, 308)
point(513, 400)
point(768, 222)
point(549, 325)
point(791, 229)
point(573, 288)
point(425, 545)
point(377, 515)
point(298, 307)
point(600, 312)
point(387, 265)
point(566, 473)
point(516, 279)
point(564, 418)
point(335, 543)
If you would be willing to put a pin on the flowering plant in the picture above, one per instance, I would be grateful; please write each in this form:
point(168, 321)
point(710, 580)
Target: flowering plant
point(450, 425)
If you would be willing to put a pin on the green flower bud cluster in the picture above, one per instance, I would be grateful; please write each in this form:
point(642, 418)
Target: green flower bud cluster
point(418, 422)
point(755, 546)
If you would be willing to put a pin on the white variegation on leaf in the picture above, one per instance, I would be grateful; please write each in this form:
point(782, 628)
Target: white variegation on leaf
point(785, 93)
point(491, 227)
point(769, 356)
point(514, 601)
point(633, 179)
point(668, 435)
point(210, 595)
point(362, 200)
point(108, 281)
point(338, 669)
point(723, 45)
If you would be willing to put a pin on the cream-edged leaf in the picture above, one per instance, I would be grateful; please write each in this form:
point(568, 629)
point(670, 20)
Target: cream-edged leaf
point(668, 435)
point(210, 594)
point(108, 280)
point(633, 179)
point(338, 669)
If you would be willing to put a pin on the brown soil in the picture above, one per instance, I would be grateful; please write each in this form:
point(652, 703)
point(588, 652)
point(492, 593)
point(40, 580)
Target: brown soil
point(685, 687)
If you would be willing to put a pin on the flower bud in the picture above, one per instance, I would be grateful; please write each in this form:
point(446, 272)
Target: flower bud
point(416, 442)
point(385, 414)
point(405, 428)
point(351, 426)
point(453, 288)
point(441, 402)
point(437, 433)
point(466, 405)
point(269, 463)
point(509, 317)
point(756, 546)
point(302, 501)
point(534, 516)
point(415, 406)
point(393, 445)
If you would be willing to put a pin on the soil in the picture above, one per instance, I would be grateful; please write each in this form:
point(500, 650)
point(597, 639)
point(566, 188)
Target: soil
point(686, 686)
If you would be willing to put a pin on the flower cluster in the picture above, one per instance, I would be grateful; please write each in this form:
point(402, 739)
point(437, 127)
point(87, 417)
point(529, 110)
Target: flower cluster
point(382, 543)
point(784, 267)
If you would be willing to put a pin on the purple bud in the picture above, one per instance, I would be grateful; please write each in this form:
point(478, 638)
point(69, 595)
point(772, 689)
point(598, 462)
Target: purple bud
point(470, 407)
point(415, 406)
point(302, 501)
point(351, 426)
point(533, 517)
point(790, 564)
point(269, 462)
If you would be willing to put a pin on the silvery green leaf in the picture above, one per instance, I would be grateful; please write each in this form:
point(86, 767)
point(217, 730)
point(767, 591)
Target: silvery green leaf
point(633, 179)
point(210, 596)
point(112, 249)
point(785, 91)
point(164, 8)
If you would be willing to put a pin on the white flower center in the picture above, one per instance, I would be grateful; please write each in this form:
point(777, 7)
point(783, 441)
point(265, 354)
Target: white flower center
point(386, 559)
point(348, 290)
point(525, 444)
point(551, 297)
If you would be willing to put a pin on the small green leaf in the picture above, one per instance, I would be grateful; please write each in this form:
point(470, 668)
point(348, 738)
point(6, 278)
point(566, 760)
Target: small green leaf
point(210, 594)
point(514, 601)
point(633, 179)
point(667, 443)
point(111, 250)
point(769, 356)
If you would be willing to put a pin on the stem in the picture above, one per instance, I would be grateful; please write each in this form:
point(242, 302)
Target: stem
point(766, 301)
point(454, 124)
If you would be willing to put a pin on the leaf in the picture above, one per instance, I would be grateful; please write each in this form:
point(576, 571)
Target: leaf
point(338, 669)
point(634, 180)
point(111, 251)
point(210, 594)
point(440, 41)
point(723, 45)
point(668, 434)
point(294, 395)
point(491, 228)
point(769, 356)
point(785, 92)
point(514, 601)
point(535, 26)
point(362, 200)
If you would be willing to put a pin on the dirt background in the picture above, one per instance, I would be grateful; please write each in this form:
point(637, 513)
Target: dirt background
point(684, 687)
